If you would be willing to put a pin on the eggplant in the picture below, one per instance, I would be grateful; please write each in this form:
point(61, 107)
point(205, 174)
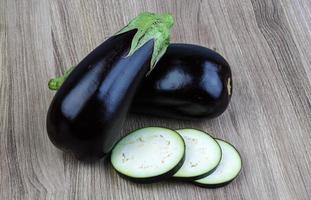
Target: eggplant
point(228, 169)
point(86, 114)
point(149, 154)
point(189, 82)
point(203, 155)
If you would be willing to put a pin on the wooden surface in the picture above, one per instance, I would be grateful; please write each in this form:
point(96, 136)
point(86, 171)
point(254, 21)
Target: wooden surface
point(267, 43)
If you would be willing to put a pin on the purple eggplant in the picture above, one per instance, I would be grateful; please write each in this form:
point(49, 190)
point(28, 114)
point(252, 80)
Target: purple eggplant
point(189, 82)
point(87, 112)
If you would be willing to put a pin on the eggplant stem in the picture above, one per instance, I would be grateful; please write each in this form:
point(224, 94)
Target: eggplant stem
point(150, 26)
point(57, 82)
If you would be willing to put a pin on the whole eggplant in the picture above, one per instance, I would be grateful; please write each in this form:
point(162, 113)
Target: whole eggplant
point(87, 112)
point(189, 82)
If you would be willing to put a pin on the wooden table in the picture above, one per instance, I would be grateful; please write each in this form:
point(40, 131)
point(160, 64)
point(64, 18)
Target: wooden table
point(267, 43)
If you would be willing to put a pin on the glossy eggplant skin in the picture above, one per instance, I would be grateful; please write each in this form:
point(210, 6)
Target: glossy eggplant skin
point(189, 82)
point(87, 112)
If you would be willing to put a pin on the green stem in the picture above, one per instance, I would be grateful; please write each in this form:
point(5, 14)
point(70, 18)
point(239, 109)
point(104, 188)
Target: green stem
point(56, 83)
point(149, 26)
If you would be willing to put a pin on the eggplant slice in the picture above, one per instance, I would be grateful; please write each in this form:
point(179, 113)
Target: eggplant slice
point(228, 169)
point(203, 154)
point(149, 154)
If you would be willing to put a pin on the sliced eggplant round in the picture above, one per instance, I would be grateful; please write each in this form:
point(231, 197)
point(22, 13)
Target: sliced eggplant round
point(149, 154)
point(227, 170)
point(203, 154)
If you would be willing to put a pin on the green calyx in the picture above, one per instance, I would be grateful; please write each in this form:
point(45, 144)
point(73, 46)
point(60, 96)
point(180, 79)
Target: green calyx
point(149, 26)
point(56, 83)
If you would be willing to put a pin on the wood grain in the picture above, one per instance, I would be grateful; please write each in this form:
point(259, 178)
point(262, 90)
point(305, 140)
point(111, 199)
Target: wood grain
point(267, 43)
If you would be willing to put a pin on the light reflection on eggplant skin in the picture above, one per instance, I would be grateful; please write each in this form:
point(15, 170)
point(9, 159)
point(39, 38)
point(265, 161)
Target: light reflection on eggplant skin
point(211, 81)
point(174, 80)
point(79, 96)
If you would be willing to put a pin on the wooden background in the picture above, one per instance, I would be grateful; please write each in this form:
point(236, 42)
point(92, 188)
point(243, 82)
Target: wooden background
point(267, 43)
